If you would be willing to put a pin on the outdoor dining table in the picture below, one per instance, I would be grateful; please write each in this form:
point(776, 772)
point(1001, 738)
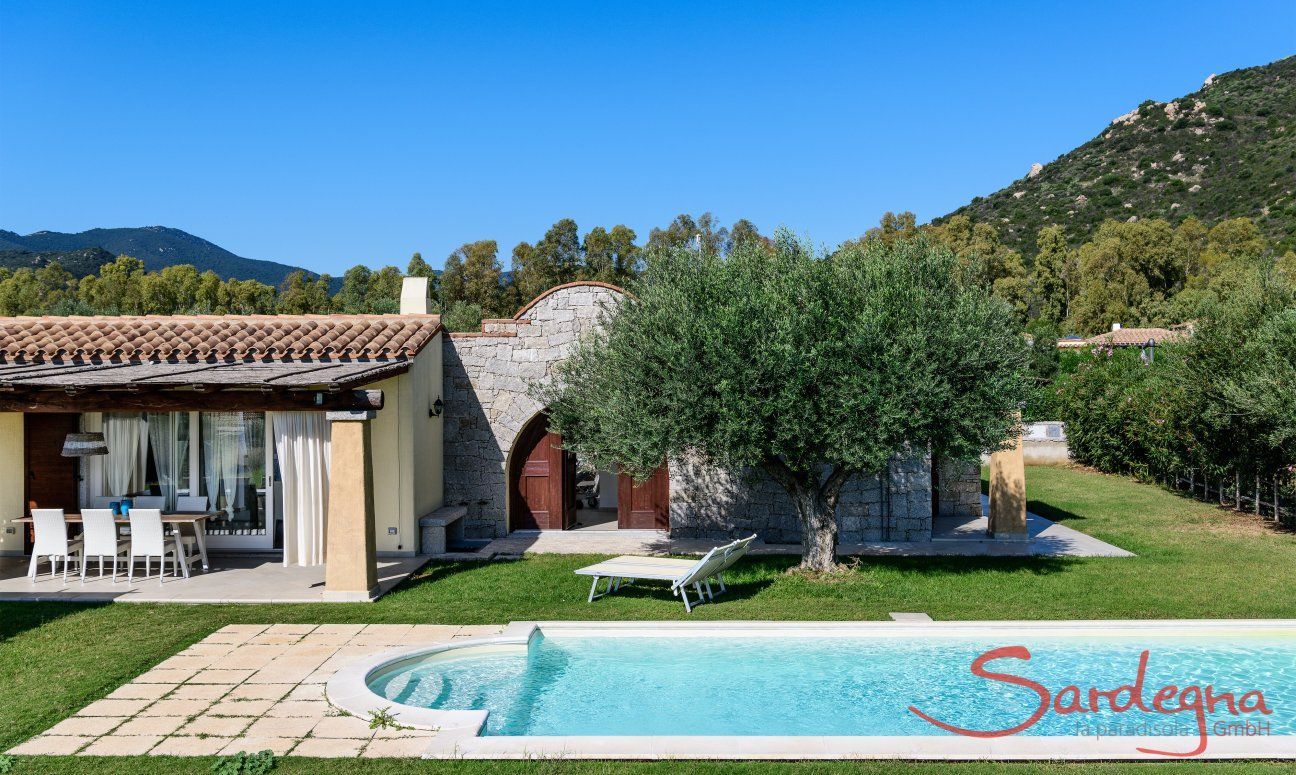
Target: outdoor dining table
point(197, 520)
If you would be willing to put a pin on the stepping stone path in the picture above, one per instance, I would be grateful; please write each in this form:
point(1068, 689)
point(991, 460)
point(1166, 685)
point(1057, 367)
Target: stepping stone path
point(248, 687)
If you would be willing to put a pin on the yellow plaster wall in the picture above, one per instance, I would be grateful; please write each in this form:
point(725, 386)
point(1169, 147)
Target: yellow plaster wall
point(407, 453)
point(11, 482)
point(429, 482)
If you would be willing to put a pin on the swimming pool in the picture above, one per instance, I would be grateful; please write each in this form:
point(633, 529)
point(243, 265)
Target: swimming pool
point(849, 680)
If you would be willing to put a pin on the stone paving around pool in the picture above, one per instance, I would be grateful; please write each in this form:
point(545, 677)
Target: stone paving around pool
point(248, 687)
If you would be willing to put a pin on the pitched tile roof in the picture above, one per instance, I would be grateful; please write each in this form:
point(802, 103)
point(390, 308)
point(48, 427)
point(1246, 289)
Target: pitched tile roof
point(1125, 337)
point(215, 337)
point(330, 374)
point(1135, 337)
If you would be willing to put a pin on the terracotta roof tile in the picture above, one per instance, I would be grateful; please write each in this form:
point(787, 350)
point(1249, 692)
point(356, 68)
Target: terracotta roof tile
point(1135, 337)
point(216, 337)
point(1129, 337)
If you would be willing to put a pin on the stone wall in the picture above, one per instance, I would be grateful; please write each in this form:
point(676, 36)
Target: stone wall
point(709, 503)
point(486, 378)
point(959, 488)
point(486, 394)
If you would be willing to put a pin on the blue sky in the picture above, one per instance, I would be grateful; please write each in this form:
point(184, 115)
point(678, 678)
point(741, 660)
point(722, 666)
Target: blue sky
point(329, 134)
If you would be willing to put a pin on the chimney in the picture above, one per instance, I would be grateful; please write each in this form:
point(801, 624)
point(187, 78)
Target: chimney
point(416, 296)
point(1115, 326)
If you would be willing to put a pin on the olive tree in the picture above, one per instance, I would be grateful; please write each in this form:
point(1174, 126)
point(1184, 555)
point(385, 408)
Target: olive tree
point(813, 368)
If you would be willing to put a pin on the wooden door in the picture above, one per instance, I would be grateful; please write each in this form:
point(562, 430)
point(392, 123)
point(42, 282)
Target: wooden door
point(539, 496)
point(52, 480)
point(644, 506)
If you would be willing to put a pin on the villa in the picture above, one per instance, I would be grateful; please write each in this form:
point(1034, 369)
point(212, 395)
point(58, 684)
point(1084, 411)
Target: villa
point(338, 440)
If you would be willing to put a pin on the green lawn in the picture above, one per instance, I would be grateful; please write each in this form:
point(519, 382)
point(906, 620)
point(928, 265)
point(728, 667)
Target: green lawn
point(1194, 561)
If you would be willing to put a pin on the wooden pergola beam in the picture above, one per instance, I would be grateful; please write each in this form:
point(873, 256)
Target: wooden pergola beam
point(99, 400)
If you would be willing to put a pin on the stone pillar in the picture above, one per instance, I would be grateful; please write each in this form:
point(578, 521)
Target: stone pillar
point(350, 564)
point(1008, 493)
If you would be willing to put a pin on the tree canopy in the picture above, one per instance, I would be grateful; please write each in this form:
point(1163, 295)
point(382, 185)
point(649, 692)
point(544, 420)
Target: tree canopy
point(811, 367)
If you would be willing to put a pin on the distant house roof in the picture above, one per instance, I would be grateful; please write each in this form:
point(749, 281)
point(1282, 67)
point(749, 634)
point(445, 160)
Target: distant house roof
point(1125, 337)
point(215, 337)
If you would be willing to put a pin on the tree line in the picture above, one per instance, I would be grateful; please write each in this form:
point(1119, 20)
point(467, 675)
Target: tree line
point(473, 285)
point(1217, 407)
point(1146, 272)
point(1136, 273)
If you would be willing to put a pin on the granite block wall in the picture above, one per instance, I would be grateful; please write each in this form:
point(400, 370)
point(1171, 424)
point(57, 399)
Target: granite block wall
point(709, 503)
point(487, 403)
point(959, 488)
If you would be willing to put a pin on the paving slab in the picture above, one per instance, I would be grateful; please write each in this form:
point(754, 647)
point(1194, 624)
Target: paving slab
point(52, 745)
point(232, 578)
point(190, 746)
point(196, 704)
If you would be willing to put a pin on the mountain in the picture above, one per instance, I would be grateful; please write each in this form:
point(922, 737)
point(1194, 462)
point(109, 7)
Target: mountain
point(1227, 150)
point(156, 246)
point(79, 262)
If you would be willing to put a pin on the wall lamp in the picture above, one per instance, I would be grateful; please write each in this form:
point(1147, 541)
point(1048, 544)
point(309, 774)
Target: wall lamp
point(437, 407)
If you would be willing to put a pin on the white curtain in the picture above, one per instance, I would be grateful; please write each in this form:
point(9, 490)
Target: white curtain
point(302, 446)
point(169, 450)
point(223, 448)
point(92, 466)
point(122, 434)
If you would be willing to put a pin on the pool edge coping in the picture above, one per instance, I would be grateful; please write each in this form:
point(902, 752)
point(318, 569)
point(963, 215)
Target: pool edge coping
point(459, 730)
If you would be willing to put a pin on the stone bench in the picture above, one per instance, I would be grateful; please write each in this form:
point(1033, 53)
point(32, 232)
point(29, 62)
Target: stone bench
point(436, 528)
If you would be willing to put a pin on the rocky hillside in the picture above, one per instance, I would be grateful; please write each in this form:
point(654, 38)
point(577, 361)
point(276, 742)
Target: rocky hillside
point(1227, 150)
point(156, 246)
point(79, 262)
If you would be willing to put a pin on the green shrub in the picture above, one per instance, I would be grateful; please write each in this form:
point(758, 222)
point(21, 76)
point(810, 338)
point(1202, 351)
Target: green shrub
point(1120, 415)
point(463, 316)
point(243, 763)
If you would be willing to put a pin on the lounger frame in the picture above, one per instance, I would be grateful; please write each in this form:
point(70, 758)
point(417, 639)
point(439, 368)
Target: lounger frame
point(682, 574)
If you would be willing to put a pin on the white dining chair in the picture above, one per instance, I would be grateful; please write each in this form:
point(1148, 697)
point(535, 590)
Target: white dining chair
point(147, 540)
point(148, 502)
point(99, 538)
point(52, 542)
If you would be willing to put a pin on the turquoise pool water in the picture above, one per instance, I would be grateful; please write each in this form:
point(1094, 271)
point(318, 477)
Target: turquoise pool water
point(835, 686)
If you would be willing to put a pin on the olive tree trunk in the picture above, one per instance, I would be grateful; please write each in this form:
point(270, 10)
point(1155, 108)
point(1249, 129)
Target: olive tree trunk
point(816, 503)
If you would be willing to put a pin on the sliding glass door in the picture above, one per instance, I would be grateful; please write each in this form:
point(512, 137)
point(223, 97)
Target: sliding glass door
point(231, 471)
point(158, 457)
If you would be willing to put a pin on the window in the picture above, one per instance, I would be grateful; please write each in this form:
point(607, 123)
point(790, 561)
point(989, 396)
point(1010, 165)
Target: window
point(232, 471)
point(220, 455)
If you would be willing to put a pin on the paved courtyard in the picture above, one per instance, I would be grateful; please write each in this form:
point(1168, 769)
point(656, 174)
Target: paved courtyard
point(233, 578)
point(951, 537)
point(248, 687)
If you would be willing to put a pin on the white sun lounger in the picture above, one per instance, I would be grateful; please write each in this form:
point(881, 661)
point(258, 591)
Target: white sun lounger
point(680, 573)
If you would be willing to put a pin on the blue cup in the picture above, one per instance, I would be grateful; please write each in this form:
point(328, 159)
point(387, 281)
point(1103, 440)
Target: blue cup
point(116, 507)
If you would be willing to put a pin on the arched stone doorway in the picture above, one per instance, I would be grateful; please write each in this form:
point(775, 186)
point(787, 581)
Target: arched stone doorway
point(543, 492)
point(542, 479)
